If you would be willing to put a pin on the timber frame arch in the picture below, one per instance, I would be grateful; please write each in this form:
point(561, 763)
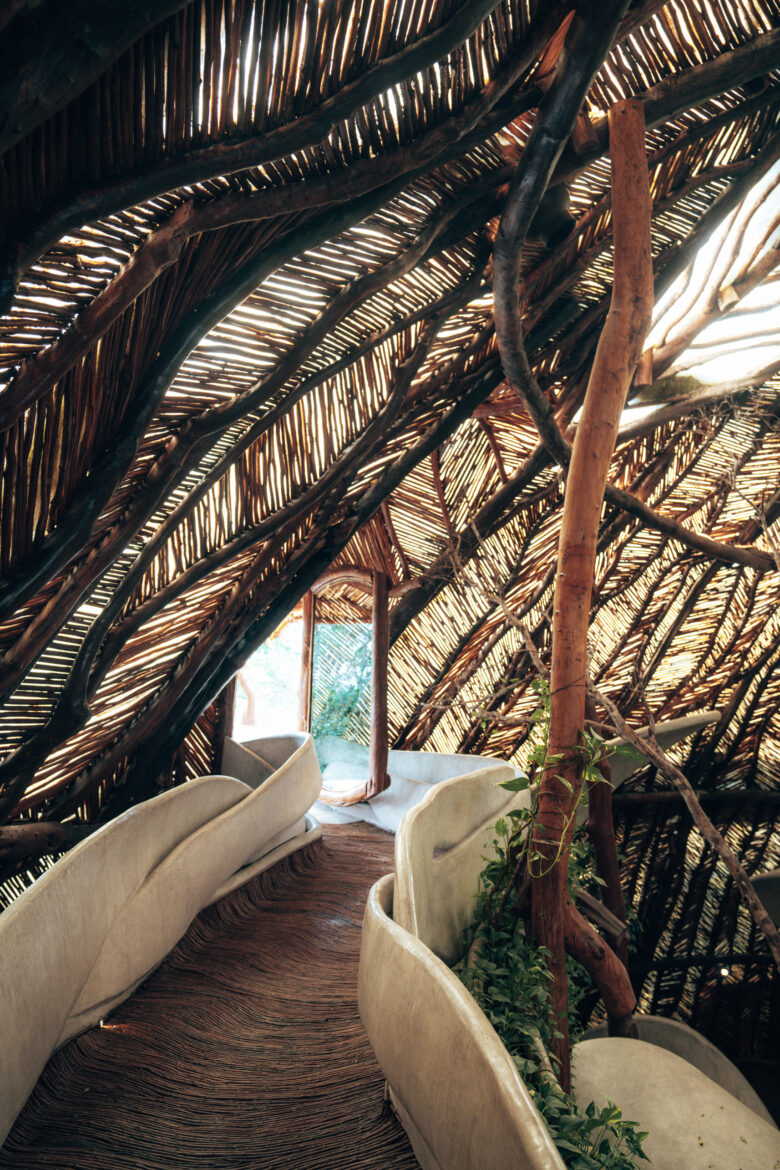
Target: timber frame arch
point(248, 338)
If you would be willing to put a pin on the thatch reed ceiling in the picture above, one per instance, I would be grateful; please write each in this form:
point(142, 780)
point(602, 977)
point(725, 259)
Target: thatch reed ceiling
point(248, 334)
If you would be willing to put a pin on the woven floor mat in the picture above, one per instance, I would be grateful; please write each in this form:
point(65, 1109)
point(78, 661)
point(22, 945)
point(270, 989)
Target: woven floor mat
point(244, 1050)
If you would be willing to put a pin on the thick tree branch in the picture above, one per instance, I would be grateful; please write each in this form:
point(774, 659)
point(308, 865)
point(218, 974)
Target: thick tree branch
point(72, 533)
point(495, 106)
point(72, 709)
point(553, 920)
point(681, 91)
point(183, 453)
point(216, 667)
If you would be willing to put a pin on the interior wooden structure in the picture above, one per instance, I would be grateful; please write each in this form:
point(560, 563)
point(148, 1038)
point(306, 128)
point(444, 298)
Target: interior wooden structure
point(248, 341)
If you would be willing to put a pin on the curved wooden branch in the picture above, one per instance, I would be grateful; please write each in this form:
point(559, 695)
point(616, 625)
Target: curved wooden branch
point(216, 666)
point(651, 750)
point(586, 46)
point(72, 533)
point(585, 945)
point(183, 453)
point(72, 709)
point(162, 248)
point(35, 838)
point(729, 554)
point(494, 107)
point(690, 87)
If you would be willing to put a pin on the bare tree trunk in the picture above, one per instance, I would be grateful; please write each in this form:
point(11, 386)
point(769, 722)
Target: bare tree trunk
point(600, 826)
point(618, 351)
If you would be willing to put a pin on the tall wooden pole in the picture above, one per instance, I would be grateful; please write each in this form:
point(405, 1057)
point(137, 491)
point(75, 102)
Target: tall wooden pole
point(378, 779)
point(618, 352)
point(307, 653)
point(600, 827)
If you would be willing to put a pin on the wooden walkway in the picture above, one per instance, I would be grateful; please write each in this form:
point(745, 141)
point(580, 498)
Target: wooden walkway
point(244, 1051)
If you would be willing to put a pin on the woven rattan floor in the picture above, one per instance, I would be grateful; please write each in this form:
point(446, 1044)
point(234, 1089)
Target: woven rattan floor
point(244, 1051)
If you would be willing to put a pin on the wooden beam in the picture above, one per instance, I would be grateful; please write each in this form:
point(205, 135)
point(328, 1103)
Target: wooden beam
point(162, 248)
point(307, 658)
point(53, 51)
point(378, 779)
point(227, 719)
point(73, 532)
point(37, 838)
point(145, 741)
point(493, 108)
point(653, 752)
point(358, 578)
point(628, 800)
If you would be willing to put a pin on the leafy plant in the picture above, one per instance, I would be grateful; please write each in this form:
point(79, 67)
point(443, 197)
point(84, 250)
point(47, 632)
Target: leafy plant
point(508, 975)
point(342, 680)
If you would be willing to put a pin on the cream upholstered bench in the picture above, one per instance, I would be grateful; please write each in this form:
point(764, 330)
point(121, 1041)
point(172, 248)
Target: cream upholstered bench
point(83, 936)
point(454, 1085)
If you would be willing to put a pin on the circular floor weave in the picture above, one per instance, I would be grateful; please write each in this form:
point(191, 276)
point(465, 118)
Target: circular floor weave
point(244, 1050)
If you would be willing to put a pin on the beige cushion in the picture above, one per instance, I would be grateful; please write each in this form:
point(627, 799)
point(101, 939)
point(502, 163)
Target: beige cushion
point(693, 1123)
point(454, 1085)
point(83, 936)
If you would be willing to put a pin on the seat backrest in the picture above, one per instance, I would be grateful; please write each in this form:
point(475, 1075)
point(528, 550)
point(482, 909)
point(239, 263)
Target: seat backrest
point(439, 854)
point(90, 929)
point(254, 760)
point(433, 767)
point(52, 935)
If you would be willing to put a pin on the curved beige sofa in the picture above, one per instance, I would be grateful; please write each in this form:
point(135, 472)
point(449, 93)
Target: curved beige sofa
point(345, 765)
point(84, 935)
point(454, 1086)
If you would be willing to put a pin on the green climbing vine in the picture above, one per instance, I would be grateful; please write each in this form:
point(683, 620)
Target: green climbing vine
point(507, 974)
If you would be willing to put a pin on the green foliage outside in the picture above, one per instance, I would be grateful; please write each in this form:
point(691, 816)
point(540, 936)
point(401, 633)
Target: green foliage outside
point(341, 683)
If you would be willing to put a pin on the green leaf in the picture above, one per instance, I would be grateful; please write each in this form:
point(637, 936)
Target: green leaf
point(519, 784)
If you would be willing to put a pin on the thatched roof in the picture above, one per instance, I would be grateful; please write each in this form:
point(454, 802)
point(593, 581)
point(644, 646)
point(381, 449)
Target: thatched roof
point(249, 335)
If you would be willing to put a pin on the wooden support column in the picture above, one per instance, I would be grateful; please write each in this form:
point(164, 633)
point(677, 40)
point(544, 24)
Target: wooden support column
point(555, 922)
point(601, 830)
point(378, 779)
point(307, 657)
